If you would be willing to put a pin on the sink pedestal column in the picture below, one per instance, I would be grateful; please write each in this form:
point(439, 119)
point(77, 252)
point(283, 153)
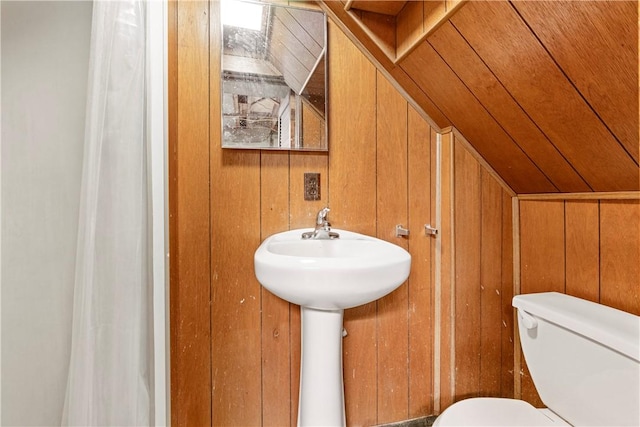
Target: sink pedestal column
point(321, 386)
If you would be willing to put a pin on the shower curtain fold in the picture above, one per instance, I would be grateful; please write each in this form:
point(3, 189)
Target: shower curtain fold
point(110, 369)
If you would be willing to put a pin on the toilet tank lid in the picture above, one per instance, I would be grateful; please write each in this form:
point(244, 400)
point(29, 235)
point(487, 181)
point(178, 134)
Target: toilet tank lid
point(613, 328)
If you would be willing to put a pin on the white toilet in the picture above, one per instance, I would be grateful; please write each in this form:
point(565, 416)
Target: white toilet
point(584, 360)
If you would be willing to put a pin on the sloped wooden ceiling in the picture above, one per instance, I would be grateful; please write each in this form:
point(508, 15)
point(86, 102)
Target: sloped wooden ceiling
point(545, 91)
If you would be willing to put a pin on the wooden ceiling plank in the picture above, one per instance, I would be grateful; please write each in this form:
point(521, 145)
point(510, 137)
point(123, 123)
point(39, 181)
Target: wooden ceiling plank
point(410, 24)
point(494, 97)
point(350, 22)
point(592, 41)
point(391, 8)
point(382, 29)
point(455, 100)
point(420, 100)
point(523, 66)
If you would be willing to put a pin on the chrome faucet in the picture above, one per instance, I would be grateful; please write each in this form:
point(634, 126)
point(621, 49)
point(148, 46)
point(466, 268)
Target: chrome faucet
point(323, 227)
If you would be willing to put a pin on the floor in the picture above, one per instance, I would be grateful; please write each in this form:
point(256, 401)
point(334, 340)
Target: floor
point(415, 422)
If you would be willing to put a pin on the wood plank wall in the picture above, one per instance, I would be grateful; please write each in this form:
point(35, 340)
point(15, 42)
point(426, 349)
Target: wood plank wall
point(444, 335)
point(586, 248)
point(234, 346)
point(189, 220)
point(482, 276)
point(365, 181)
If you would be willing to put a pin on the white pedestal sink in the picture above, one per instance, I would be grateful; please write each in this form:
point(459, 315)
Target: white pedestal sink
point(324, 277)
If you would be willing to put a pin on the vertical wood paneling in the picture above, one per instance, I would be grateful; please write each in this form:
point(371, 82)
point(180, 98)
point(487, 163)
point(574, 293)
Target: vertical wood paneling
point(236, 338)
point(582, 233)
point(189, 222)
point(392, 315)
point(352, 171)
point(276, 347)
point(542, 262)
point(490, 286)
point(379, 173)
point(467, 199)
point(600, 240)
point(620, 254)
point(508, 285)
point(420, 166)
point(542, 246)
point(482, 284)
point(444, 293)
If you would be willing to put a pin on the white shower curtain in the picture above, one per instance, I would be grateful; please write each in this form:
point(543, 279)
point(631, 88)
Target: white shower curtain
point(111, 368)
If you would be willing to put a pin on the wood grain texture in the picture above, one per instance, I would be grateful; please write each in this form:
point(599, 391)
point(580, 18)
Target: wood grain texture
point(612, 195)
point(461, 140)
point(600, 241)
point(383, 7)
point(620, 255)
point(275, 316)
point(582, 236)
point(508, 290)
point(491, 299)
point(472, 120)
point(236, 334)
point(472, 71)
point(481, 281)
point(542, 246)
point(591, 41)
point(514, 55)
point(381, 29)
point(189, 219)
point(379, 172)
point(410, 24)
point(556, 78)
point(352, 167)
point(420, 195)
point(236, 338)
point(420, 99)
point(445, 295)
point(351, 24)
point(357, 34)
point(391, 195)
point(542, 263)
point(467, 240)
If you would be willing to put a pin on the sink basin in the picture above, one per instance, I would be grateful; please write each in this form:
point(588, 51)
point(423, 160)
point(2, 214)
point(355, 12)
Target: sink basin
point(330, 274)
point(324, 277)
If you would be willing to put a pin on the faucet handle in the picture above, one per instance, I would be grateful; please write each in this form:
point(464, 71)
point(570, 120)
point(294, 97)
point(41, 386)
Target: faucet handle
point(322, 216)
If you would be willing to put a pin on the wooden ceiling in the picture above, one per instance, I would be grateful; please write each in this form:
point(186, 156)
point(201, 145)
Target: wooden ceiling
point(545, 91)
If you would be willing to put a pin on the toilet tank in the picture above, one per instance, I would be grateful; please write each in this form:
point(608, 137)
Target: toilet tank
point(584, 358)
